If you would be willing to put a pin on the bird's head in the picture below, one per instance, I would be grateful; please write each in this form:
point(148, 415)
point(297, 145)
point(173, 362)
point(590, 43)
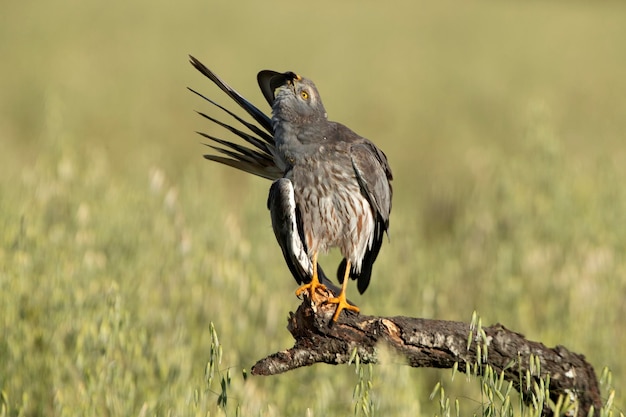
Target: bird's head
point(292, 97)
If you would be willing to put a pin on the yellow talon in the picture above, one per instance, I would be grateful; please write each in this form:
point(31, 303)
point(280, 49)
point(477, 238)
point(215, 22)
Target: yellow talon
point(342, 303)
point(312, 286)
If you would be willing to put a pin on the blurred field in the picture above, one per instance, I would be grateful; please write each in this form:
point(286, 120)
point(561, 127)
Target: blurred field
point(503, 121)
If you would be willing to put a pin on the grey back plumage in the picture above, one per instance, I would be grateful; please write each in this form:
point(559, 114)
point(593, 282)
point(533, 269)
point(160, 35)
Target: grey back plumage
point(334, 162)
point(318, 159)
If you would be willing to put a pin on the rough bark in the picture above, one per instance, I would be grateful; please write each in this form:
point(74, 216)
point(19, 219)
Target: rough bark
point(435, 344)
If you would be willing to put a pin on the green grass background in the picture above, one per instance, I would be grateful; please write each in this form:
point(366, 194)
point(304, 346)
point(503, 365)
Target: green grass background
point(503, 122)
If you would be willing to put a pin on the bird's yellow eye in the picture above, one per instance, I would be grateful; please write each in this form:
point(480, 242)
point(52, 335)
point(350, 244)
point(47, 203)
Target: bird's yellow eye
point(304, 95)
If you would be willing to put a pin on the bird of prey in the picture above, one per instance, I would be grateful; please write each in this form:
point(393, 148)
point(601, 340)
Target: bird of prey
point(331, 186)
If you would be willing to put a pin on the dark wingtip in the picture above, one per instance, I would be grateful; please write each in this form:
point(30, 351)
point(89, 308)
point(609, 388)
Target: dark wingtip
point(264, 78)
point(363, 278)
point(270, 80)
point(256, 114)
point(197, 64)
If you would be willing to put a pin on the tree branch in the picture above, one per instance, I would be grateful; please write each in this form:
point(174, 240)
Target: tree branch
point(434, 344)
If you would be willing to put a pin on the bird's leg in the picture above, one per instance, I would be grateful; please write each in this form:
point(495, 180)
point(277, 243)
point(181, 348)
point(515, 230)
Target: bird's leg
point(341, 301)
point(312, 286)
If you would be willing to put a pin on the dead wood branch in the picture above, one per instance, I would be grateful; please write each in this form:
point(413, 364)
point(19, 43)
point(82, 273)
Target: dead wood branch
point(434, 344)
